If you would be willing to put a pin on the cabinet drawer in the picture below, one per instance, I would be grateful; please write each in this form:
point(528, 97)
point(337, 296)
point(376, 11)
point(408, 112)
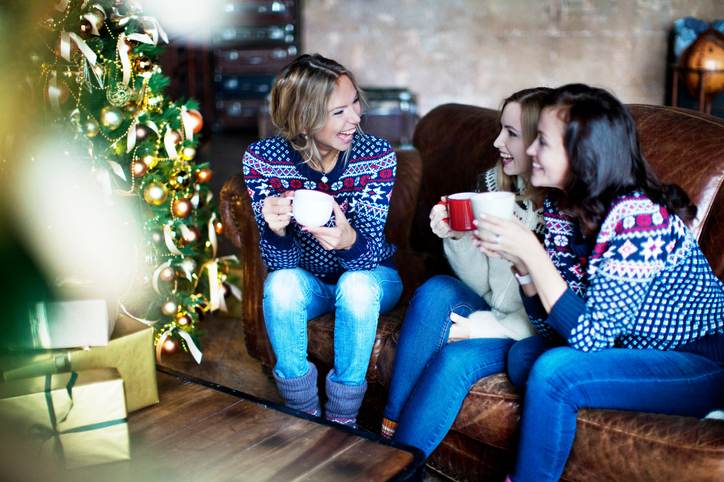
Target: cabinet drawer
point(253, 36)
point(241, 61)
point(243, 86)
point(259, 12)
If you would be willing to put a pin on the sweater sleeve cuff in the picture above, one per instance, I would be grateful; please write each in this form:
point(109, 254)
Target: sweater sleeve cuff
point(565, 313)
point(533, 306)
point(354, 251)
point(279, 242)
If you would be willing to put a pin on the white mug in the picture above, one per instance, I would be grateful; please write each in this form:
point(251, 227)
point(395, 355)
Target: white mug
point(496, 203)
point(311, 208)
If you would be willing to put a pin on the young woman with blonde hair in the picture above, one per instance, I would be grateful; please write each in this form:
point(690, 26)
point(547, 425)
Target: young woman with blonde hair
point(345, 266)
point(480, 310)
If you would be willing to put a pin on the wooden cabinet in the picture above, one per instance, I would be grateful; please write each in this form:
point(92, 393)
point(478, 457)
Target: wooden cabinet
point(260, 37)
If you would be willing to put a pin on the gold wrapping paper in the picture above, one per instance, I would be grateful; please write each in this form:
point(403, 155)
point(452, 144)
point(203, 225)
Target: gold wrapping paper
point(130, 351)
point(89, 428)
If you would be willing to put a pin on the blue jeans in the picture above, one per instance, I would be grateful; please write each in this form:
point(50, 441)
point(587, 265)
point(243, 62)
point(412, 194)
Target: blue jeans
point(564, 380)
point(522, 356)
point(294, 296)
point(431, 377)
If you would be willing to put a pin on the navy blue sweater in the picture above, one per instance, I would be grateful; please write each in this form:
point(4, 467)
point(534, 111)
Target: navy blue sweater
point(362, 186)
point(642, 283)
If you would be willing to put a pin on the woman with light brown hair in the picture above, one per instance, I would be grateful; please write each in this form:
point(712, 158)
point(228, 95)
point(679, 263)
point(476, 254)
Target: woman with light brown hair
point(344, 266)
point(480, 310)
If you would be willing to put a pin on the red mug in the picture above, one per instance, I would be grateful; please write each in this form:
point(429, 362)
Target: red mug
point(460, 211)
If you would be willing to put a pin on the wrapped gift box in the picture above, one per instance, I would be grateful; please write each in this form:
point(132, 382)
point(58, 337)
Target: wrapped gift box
point(68, 324)
point(130, 350)
point(79, 417)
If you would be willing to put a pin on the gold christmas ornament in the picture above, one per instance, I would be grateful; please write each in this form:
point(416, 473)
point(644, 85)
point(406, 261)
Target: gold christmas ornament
point(118, 94)
point(91, 128)
point(183, 319)
point(197, 122)
point(169, 308)
point(181, 208)
point(155, 193)
point(188, 153)
point(111, 118)
point(204, 175)
point(179, 178)
point(167, 274)
point(218, 227)
point(138, 168)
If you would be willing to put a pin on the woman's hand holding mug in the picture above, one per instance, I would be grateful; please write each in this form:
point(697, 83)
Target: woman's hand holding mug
point(439, 219)
point(277, 212)
point(341, 236)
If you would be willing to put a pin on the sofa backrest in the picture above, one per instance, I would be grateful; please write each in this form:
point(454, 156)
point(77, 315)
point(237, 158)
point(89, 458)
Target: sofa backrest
point(685, 147)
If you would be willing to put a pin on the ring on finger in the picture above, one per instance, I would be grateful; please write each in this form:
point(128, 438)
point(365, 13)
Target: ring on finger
point(497, 239)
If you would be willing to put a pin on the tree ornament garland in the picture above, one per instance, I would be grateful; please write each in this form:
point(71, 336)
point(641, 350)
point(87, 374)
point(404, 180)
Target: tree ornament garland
point(100, 74)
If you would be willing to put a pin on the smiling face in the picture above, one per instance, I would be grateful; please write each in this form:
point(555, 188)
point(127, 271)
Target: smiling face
point(510, 143)
point(343, 117)
point(551, 167)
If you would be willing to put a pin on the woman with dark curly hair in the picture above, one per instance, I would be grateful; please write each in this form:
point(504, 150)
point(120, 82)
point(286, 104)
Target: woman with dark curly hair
point(621, 288)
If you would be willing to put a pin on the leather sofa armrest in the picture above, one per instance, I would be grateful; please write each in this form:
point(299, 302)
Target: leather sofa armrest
point(240, 228)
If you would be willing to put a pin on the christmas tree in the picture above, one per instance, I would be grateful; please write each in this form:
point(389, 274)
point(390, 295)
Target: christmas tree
point(101, 78)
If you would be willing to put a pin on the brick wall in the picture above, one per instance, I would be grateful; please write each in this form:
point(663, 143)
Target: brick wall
point(479, 51)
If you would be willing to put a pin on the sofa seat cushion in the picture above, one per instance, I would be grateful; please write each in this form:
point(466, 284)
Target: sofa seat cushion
point(490, 412)
point(651, 446)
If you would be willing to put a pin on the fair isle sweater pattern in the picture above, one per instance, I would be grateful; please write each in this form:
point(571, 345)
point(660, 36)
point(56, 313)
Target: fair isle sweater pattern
point(646, 283)
point(361, 185)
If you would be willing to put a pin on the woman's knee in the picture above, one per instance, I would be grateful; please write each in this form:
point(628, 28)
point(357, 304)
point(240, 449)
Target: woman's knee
point(440, 287)
point(551, 371)
point(359, 288)
point(286, 288)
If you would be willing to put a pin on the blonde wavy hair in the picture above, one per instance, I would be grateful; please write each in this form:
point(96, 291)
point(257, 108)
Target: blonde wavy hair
point(299, 100)
point(531, 103)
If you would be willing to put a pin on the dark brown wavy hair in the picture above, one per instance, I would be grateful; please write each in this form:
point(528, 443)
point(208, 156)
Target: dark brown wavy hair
point(602, 144)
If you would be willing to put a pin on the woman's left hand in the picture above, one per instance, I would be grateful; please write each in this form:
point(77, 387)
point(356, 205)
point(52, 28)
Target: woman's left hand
point(341, 236)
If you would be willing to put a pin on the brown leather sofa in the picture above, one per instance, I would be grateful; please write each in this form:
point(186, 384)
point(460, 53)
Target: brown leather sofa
point(453, 144)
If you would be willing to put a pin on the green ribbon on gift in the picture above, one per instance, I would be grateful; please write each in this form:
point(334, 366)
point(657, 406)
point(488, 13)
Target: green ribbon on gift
point(47, 433)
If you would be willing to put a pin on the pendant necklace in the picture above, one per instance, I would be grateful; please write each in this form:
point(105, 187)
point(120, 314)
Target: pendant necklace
point(324, 178)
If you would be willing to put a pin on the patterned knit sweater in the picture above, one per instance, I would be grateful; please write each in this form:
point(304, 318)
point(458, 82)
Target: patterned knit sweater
point(361, 185)
point(644, 283)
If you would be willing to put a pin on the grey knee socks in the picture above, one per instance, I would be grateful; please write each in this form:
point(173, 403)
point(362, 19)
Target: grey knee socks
point(343, 401)
point(300, 393)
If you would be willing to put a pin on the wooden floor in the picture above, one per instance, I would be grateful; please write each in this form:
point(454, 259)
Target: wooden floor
point(224, 437)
